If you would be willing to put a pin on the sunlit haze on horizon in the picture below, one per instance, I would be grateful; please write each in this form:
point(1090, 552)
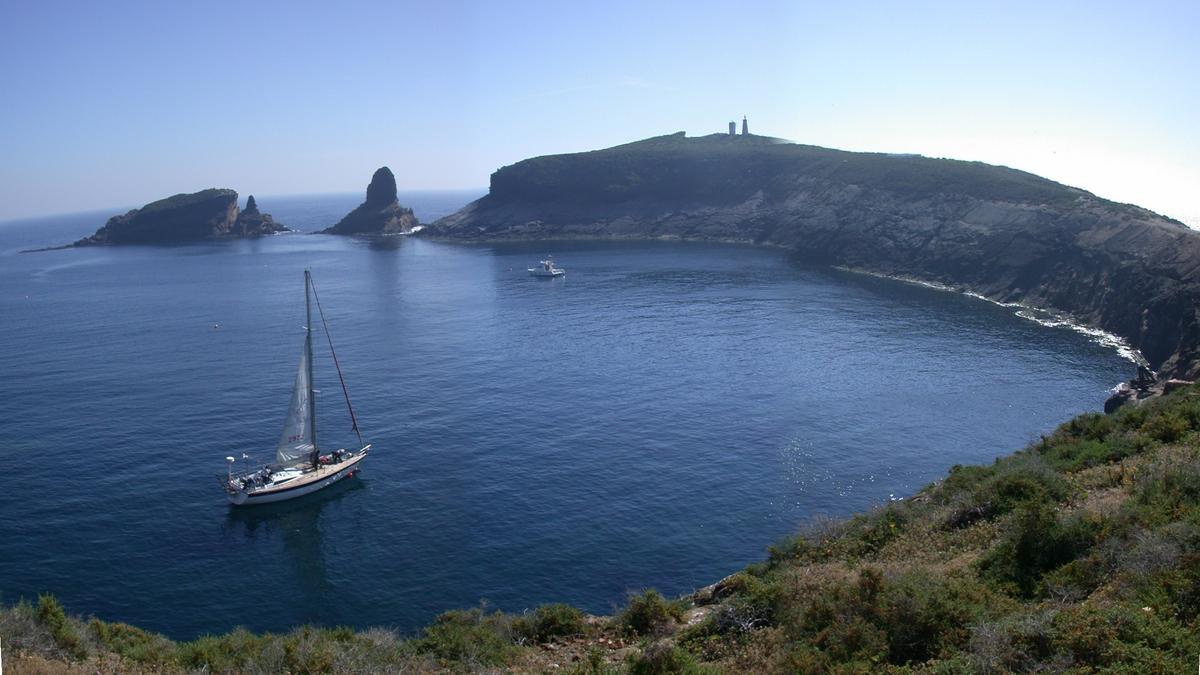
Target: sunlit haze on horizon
point(121, 103)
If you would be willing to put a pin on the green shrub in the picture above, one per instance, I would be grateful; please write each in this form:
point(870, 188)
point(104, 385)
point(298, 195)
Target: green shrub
point(926, 615)
point(1169, 492)
point(1174, 590)
point(1189, 410)
point(1125, 639)
point(1022, 479)
point(1020, 641)
point(663, 658)
point(20, 629)
point(1075, 454)
point(881, 526)
point(51, 615)
point(752, 604)
point(962, 480)
point(1088, 426)
point(807, 544)
point(134, 643)
point(649, 613)
point(310, 650)
point(1027, 484)
point(1166, 427)
point(1131, 416)
point(852, 640)
point(593, 663)
point(794, 547)
point(469, 637)
point(910, 619)
point(548, 622)
point(838, 624)
point(1037, 543)
point(219, 653)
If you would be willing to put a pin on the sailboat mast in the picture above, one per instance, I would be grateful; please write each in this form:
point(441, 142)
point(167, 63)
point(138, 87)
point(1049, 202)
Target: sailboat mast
point(312, 399)
point(336, 365)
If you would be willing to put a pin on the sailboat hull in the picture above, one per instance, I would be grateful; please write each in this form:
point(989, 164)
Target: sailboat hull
point(305, 485)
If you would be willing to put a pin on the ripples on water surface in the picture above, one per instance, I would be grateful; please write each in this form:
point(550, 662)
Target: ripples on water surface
point(657, 418)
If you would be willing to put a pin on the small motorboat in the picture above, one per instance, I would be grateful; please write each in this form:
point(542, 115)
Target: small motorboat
point(546, 269)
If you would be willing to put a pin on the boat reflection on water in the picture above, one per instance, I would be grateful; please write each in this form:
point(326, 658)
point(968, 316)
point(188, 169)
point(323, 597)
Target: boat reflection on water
point(296, 513)
point(388, 243)
point(297, 526)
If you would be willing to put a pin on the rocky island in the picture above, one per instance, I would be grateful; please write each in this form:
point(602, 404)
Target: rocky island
point(1007, 235)
point(182, 218)
point(251, 223)
point(380, 214)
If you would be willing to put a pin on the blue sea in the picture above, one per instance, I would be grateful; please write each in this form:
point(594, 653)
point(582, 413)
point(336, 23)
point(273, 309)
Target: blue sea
point(655, 419)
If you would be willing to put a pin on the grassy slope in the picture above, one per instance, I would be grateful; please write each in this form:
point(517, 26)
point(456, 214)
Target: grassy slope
point(1081, 552)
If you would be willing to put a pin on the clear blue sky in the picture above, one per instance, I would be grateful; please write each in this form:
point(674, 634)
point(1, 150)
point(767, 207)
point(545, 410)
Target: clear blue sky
point(119, 103)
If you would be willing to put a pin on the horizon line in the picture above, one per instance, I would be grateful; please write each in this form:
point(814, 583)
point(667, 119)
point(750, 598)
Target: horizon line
point(118, 210)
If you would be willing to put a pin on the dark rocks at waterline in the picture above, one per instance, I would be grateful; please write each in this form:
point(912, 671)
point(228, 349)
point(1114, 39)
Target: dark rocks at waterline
point(381, 213)
point(251, 223)
point(1004, 234)
point(182, 218)
point(1143, 387)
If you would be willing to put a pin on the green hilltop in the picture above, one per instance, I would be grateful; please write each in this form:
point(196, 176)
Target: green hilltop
point(720, 167)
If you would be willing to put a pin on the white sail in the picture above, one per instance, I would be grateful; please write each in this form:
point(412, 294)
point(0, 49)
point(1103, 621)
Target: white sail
point(296, 441)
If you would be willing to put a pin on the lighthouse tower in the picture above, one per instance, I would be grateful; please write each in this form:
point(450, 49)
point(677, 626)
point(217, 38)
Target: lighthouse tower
point(745, 127)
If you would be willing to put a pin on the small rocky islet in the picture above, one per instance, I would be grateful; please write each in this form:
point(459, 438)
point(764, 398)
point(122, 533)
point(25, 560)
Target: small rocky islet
point(184, 218)
point(252, 223)
point(380, 214)
point(214, 214)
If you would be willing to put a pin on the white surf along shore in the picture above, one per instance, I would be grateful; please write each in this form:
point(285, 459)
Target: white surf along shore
point(1039, 315)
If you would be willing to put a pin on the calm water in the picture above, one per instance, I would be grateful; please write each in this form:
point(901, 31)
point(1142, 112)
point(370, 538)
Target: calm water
point(655, 419)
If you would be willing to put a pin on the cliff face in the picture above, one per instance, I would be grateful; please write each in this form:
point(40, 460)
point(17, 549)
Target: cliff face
point(1006, 234)
point(381, 213)
point(183, 218)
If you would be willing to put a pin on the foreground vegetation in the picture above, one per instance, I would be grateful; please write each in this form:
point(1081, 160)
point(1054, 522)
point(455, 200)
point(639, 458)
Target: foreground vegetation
point(1079, 553)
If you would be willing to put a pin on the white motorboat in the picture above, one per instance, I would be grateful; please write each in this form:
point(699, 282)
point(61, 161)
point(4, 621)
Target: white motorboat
point(299, 466)
point(547, 269)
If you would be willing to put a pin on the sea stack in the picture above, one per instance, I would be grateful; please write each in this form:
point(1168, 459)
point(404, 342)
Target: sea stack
point(381, 213)
point(251, 223)
point(182, 218)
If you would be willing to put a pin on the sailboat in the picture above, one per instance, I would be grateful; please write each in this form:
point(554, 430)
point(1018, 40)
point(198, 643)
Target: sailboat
point(299, 468)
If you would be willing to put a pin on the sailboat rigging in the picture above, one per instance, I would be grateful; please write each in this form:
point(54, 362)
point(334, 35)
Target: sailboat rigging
point(299, 466)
